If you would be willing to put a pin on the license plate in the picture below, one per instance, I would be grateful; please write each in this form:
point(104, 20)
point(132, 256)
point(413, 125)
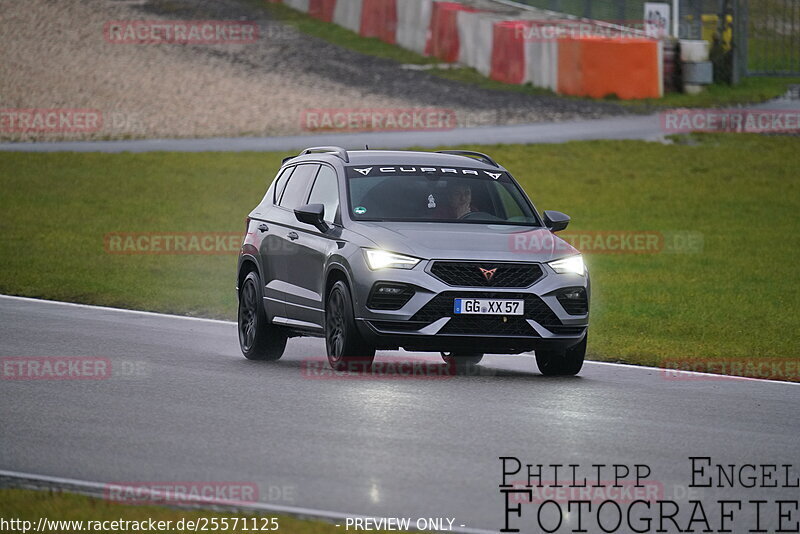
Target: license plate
point(489, 307)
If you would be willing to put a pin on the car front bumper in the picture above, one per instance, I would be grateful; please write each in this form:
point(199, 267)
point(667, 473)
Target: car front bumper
point(426, 322)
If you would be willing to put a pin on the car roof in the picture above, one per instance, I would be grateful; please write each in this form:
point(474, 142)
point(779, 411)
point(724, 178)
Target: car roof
point(398, 157)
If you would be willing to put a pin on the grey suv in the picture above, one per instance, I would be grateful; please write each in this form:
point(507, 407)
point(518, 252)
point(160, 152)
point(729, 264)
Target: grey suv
point(438, 252)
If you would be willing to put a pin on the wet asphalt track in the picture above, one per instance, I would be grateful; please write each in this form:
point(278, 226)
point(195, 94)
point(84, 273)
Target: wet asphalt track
point(183, 405)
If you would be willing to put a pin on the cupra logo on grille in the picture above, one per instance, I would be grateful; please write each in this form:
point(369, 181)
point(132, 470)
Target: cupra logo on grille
point(488, 273)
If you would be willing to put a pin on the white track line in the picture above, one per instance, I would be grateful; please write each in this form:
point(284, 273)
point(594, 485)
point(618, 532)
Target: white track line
point(218, 321)
point(120, 310)
point(693, 373)
point(99, 488)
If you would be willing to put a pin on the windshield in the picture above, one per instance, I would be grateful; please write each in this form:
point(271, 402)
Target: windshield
point(437, 194)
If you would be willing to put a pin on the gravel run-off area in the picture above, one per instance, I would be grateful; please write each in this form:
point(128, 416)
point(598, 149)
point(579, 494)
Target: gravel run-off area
point(56, 56)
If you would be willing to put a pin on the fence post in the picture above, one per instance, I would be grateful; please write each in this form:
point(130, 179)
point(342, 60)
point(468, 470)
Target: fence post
point(740, 23)
point(676, 11)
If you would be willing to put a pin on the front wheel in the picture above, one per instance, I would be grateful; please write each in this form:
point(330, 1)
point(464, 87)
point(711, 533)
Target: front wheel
point(347, 349)
point(258, 339)
point(564, 362)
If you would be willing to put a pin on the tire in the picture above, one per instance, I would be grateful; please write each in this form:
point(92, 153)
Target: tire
point(562, 363)
point(258, 339)
point(347, 350)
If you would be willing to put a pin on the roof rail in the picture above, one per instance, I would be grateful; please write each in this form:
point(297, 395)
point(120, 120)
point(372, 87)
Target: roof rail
point(470, 154)
point(339, 151)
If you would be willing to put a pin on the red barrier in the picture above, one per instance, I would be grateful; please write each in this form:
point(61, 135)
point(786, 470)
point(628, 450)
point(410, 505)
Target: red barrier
point(379, 19)
point(508, 51)
point(443, 35)
point(599, 67)
point(322, 9)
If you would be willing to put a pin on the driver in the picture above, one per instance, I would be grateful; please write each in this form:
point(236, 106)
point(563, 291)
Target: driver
point(458, 195)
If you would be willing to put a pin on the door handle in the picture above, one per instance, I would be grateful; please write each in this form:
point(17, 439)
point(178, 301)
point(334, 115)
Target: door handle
point(293, 236)
point(263, 227)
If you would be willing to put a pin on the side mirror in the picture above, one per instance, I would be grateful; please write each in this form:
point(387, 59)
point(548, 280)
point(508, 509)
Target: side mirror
point(312, 214)
point(555, 220)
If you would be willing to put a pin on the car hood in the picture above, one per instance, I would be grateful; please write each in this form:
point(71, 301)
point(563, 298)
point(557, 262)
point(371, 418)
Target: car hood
point(466, 241)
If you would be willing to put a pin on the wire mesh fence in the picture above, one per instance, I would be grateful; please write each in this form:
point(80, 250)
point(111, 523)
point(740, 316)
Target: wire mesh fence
point(766, 32)
point(773, 37)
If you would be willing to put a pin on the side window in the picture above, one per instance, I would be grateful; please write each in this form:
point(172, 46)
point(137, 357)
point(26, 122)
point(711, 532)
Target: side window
point(280, 183)
point(297, 187)
point(326, 192)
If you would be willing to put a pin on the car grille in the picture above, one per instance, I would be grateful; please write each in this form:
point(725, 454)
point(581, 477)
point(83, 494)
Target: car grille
point(469, 274)
point(514, 326)
point(442, 306)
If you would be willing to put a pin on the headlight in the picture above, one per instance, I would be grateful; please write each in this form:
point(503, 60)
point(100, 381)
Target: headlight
point(571, 265)
point(380, 259)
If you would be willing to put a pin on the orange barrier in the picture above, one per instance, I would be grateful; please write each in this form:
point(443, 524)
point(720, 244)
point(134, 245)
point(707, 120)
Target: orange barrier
point(508, 51)
point(443, 39)
point(379, 19)
point(322, 9)
point(598, 67)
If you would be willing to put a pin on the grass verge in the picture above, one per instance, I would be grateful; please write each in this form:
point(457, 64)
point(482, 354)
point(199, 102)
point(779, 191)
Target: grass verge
point(738, 297)
point(56, 506)
point(750, 90)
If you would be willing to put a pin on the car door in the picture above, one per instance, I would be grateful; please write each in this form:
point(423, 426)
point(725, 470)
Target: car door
point(283, 251)
point(310, 251)
point(267, 241)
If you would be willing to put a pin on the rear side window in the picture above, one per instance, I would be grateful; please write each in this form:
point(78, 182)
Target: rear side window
point(280, 183)
point(326, 192)
point(296, 188)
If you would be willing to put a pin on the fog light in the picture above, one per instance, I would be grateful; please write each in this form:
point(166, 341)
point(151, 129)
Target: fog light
point(391, 290)
point(389, 296)
point(574, 300)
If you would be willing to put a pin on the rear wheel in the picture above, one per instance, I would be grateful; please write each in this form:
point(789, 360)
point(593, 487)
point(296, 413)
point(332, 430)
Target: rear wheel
point(564, 362)
point(258, 339)
point(347, 349)
point(461, 360)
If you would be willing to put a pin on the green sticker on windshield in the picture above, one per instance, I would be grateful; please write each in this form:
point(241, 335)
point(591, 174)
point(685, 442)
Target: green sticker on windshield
point(360, 210)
